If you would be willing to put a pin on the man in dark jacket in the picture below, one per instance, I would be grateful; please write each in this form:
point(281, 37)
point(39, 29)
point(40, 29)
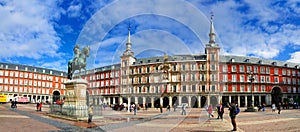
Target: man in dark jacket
point(232, 115)
point(220, 111)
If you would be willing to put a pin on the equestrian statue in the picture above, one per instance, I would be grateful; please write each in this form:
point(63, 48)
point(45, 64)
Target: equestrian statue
point(79, 60)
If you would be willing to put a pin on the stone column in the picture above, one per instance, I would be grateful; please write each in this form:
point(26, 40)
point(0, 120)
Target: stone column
point(179, 100)
point(239, 100)
point(199, 101)
point(144, 101)
point(161, 101)
point(128, 105)
point(246, 101)
point(259, 100)
point(170, 101)
point(189, 101)
point(152, 102)
point(114, 100)
point(229, 98)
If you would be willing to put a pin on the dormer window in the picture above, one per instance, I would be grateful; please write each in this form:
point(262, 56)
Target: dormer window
point(260, 62)
point(274, 63)
point(247, 60)
point(157, 60)
point(232, 60)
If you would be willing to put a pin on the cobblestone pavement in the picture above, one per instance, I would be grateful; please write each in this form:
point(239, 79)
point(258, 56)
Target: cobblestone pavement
point(26, 119)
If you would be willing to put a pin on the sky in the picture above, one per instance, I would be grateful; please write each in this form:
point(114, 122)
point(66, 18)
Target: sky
point(43, 33)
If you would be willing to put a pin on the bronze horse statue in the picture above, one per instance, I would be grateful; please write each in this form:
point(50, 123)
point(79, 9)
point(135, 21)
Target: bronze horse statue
point(79, 61)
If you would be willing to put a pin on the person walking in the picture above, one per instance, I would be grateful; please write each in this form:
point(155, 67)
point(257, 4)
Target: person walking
point(168, 108)
point(161, 109)
point(220, 111)
point(174, 106)
point(37, 106)
point(134, 107)
point(273, 107)
point(210, 111)
point(183, 109)
point(40, 106)
point(232, 115)
point(90, 114)
point(279, 108)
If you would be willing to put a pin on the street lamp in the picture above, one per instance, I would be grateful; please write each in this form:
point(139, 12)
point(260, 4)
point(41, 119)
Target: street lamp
point(251, 81)
point(251, 108)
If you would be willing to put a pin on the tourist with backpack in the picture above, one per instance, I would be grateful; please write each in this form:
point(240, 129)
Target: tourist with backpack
point(232, 114)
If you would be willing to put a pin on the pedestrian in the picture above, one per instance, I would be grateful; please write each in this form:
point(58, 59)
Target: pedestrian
point(168, 108)
point(273, 107)
point(210, 111)
point(37, 106)
point(41, 104)
point(263, 107)
point(220, 111)
point(90, 114)
point(232, 115)
point(174, 106)
point(146, 107)
point(134, 107)
point(183, 109)
point(161, 110)
point(279, 108)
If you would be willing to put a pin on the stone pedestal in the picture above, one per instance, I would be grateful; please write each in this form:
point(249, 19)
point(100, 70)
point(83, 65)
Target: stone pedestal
point(75, 104)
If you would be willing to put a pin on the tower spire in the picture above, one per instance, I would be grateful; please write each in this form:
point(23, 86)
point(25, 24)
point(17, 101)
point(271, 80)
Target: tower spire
point(212, 34)
point(128, 44)
point(128, 40)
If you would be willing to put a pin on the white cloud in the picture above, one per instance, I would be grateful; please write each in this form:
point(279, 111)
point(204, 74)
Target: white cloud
point(74, 10)
point(295, 57)
point(27, 29)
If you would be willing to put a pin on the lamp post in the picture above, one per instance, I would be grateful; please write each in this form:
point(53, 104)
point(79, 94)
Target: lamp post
point(251, 81)
point(251, 108)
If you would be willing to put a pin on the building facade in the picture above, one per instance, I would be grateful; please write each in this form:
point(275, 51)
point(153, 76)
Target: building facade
point(197, 80)
point(38, 84)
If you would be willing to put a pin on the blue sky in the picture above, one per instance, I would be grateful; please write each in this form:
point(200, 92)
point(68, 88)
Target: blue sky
point(43, 33)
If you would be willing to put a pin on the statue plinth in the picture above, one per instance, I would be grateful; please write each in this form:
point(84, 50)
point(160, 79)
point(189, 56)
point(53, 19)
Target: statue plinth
point(75, 104)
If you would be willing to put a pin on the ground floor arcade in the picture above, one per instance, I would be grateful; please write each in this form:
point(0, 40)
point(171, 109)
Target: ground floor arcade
point(193, 100)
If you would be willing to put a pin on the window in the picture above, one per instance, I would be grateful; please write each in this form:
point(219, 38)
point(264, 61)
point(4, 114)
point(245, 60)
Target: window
point(174, 67)
point(213, 67)
point(255, 69)
point(262, 69)
point(276, 71)
point(268, 70)
point(183, 88)
point(248, 69)
point(193, 67)
point(156, 89)
point(242, 88)
point(262, 79)
point(193, 88)
point(140, 89)
point(284, 80)
point(183, 77)
point(213, 88)
point(233, 68)
point(225, 78)
point(242, 68)
point(203, 88)
point(225, 69)
point(174, 88)
point(233, 88)
point(294, 89)
point(249, 88)
point(183, 67)
point(268, 79)
point(242, 78)
point(193, 77)
point(283, 72)
point(233, 78)
point(225, 88)
point(276, 79)
point(263, 88)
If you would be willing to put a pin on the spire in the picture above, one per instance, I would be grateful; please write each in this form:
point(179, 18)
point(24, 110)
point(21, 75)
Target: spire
point(128, 40)
point(128, 44)
point(212, 34)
